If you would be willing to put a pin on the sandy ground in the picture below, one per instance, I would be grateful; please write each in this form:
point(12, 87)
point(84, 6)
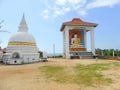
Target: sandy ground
point(29, 77)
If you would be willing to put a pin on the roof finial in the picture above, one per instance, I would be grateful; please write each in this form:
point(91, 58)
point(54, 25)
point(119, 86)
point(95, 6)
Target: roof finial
point(23, 15)
point(23, 25)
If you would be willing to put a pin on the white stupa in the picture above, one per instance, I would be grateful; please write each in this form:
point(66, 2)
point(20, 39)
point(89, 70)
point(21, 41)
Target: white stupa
point(21, 47)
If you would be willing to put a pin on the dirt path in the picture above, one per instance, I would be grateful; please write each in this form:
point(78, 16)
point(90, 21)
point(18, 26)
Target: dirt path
point(29, 77)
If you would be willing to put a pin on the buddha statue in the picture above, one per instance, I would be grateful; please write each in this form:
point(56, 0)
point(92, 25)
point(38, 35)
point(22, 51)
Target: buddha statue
point(75, 41)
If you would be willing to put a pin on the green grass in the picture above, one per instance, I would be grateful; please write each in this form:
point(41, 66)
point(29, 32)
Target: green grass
point(51, 70)
point(80, 74)
point(91, 74)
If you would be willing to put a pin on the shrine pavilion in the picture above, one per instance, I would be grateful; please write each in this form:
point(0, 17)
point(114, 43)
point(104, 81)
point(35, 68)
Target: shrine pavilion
point(74, 38)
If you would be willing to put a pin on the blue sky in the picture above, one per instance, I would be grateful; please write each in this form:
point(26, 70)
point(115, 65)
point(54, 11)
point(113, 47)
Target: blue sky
point(45, 17)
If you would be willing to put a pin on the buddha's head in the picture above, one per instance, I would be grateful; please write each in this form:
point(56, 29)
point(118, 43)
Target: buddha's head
point(75, 35)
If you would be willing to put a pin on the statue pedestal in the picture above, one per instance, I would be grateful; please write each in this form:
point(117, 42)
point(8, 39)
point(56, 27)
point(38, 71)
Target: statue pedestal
point(77, 49)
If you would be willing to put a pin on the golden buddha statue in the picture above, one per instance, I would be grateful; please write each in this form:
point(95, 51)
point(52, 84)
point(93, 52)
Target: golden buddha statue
point(75, 41)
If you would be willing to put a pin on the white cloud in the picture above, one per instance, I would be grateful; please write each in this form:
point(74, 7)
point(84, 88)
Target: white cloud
point(60, 11)
point(76, 2)
point(82, 12)
point(60, 2)
point(45, 13)
point(61, 7)
point(102, 3)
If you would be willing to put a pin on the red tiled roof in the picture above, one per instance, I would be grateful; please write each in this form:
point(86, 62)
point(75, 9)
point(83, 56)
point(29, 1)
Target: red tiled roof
point(77, 21)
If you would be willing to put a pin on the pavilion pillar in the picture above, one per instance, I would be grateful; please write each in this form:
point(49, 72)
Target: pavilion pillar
point(85, 39)
point(92, 41)
point(64, 44)
point(67, 42)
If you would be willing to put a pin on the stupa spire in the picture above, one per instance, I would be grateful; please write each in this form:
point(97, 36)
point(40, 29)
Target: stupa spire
point(23, 25)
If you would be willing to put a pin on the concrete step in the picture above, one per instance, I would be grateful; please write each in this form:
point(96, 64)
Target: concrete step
point(82, 55)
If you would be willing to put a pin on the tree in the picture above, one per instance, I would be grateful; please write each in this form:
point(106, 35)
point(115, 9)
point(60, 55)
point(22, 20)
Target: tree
point(107, 52)
point(40, 53)
point(98, 51)
point(1, 27)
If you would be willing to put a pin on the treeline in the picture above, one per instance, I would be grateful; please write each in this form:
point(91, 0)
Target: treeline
point(107, 52)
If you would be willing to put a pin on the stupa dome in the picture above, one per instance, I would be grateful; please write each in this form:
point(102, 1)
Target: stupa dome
point(22, 37)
